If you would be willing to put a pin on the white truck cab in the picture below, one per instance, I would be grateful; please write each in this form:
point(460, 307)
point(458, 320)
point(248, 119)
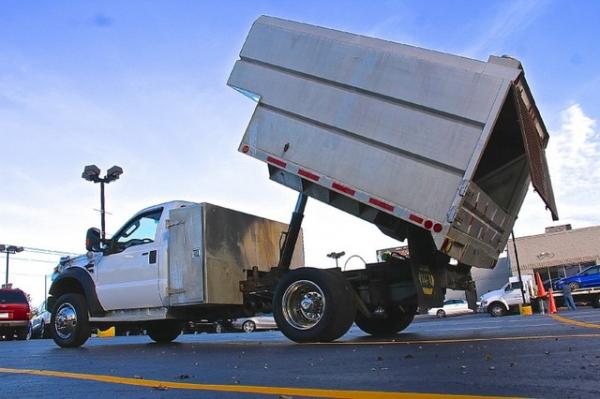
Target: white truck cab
point(170, 263)
point(509, 297)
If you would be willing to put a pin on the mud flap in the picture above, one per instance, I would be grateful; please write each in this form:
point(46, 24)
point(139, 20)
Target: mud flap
point(428, 267)
point(433, 274)
point(430, 290)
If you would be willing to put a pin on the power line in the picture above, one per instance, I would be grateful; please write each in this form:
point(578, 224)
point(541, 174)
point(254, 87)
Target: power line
point(48, 251)
point(15, 259)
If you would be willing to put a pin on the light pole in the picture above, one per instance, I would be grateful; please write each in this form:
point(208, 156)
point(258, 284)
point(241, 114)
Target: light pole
point(9, 249)
point(92, 173)
point(336, 256)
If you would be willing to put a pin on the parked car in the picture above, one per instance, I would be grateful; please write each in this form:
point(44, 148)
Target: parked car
point(206, 326)
point(40, 324)
point(14, 314)
point(451, 307)
point(590, 277)
point(258, 322)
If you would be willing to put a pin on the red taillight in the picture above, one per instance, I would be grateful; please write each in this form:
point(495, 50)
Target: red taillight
point(437, 227)
point(428, 224)
point(415, 218)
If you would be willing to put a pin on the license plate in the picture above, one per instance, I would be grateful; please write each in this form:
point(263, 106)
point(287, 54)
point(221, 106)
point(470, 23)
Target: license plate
point(3, 315)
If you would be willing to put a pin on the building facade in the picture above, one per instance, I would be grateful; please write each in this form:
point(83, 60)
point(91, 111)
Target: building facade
point(561, 251)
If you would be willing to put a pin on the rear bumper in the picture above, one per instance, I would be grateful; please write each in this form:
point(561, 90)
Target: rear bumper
point(13, 323)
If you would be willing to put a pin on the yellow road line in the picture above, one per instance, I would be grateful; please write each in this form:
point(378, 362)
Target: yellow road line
point(458, 340)
point(574, 322)
point(251, 389)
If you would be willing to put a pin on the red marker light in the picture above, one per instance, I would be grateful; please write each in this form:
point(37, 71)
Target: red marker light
point(245, 149)
point(437, 227)
point(428, 224)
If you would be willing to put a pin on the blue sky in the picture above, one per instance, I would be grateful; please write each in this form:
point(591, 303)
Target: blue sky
point(142, 85)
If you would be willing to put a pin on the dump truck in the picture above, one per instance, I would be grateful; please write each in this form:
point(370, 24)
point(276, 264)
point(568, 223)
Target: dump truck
point(432, 148)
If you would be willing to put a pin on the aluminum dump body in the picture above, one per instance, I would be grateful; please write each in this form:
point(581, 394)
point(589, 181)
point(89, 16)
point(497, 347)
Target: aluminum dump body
point(211, 248)
point(395, 134)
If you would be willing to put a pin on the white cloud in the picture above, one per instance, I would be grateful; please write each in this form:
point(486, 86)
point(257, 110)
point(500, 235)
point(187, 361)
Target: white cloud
point(574, 161)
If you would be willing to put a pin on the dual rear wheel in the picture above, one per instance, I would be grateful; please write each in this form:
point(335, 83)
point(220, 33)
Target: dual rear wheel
point(315, 305)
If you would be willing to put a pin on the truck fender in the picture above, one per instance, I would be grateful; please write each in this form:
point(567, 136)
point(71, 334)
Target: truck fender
point(76, 280)
point(500, 301)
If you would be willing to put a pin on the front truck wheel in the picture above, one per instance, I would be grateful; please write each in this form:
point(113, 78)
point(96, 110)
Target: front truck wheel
point(396, 320)
point(164, 331)
point(70, 323)
point(313, 305)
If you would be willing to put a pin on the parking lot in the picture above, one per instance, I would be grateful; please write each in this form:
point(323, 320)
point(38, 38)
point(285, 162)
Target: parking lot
point(513, 356)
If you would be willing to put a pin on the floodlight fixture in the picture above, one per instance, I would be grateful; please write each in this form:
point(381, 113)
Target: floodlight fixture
point(336, 256)
point(91, 173)
point(13, 249)
point(113, 173)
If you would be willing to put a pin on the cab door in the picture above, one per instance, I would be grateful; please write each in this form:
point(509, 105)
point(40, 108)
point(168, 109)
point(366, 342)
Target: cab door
point(127, 276)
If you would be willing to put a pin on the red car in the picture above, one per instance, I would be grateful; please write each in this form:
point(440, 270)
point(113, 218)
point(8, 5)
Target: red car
point(14, 314)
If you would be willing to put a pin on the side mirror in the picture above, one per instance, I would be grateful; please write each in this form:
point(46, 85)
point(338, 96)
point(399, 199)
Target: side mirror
point(92, 240)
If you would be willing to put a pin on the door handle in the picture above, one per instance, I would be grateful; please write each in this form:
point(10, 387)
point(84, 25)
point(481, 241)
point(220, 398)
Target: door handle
point(145, 253)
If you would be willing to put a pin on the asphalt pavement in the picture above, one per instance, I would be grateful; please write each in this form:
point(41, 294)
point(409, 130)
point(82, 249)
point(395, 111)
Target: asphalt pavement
point(472, 355)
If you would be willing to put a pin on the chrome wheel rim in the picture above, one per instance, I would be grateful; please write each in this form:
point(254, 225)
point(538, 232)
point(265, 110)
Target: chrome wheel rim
point(303, 304)
point(65, 321)
point(248, 326)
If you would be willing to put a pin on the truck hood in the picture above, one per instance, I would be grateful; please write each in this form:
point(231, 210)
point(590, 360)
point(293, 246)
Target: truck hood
point(492, 294)
point(83, 261)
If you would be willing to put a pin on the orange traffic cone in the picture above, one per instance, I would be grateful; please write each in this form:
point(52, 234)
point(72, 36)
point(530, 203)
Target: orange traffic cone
point(552, 304)
point(541, 291)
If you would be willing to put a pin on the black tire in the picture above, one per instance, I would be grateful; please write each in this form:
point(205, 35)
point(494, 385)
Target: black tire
point(596, 301)
point(396, 321)
point(574, 285)
point(164, 331)
point(249, 326)
point(45, 333)
point(441, 313)
point(313, 305)
point(66, 331)
point(24, 333)
point(497, 309)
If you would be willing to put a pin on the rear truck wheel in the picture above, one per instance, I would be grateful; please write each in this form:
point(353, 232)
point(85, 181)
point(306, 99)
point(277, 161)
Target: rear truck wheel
point(497, 309)
point(164, 331)
point(70, 323)
point(574, 286)
point(313, 305)
point(396, 321)
point(249, 326)
point(440, 313)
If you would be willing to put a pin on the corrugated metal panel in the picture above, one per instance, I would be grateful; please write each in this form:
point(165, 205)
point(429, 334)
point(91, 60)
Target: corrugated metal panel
point(534, 146)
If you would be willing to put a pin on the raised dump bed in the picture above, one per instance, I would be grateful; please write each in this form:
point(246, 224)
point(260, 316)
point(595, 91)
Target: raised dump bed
point(396, 134)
